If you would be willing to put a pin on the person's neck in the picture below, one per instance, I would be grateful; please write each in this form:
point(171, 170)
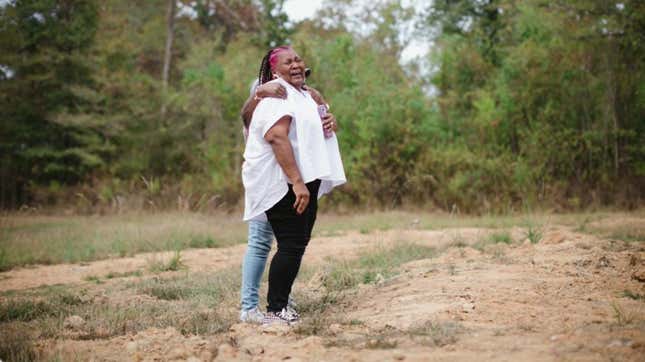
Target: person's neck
point(299, 87)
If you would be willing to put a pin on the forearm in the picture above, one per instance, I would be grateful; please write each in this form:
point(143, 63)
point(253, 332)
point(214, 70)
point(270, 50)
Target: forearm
point(284, 155)
point(248, 109)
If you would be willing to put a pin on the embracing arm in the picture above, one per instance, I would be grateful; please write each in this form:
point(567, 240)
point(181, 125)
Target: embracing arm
point(274, 90)
point(329, 121)
point(278, 137)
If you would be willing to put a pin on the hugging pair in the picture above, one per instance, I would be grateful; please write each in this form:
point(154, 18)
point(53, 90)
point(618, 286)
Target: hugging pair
point(291, 159)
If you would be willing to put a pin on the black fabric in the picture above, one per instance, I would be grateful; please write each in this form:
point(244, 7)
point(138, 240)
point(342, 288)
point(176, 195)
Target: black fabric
point(292, 232)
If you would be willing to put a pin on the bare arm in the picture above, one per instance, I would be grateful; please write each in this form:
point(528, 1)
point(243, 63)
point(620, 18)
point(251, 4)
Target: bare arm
point(278, 137)
point(274, 90)
point(318, 98)
point(329, 120)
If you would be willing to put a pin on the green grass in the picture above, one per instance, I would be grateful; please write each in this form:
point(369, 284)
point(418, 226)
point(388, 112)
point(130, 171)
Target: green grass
point(632, 295)
point(174, 263)
point(112, 275)
point(501, 237)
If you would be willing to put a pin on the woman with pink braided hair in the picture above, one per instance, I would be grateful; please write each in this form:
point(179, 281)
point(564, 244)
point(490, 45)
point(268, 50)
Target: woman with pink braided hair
point(288, 164)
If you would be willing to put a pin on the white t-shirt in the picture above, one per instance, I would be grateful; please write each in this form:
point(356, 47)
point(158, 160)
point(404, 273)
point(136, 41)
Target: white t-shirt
point(317, 157)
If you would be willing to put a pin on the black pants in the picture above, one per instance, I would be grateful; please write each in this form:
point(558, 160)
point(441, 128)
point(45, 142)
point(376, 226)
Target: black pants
point(292, 232)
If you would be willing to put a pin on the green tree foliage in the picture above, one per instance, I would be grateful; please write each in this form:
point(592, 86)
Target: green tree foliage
point(546, 94)
point(531, 102)
point(43, 51)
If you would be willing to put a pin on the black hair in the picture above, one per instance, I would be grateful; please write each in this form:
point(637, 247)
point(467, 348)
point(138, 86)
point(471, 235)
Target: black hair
point(265, 69)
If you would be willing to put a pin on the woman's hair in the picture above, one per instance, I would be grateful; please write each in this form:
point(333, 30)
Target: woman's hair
point(268, 62)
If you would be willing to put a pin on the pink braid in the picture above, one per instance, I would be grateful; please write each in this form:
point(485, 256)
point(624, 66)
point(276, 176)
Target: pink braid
point(273, 57)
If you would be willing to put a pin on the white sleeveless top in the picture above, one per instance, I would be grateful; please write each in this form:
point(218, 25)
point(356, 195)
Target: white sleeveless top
point(317, 157)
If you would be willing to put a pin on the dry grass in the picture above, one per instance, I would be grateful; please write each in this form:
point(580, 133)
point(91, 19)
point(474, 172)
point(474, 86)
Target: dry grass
point(28, 239)
point(56, 239)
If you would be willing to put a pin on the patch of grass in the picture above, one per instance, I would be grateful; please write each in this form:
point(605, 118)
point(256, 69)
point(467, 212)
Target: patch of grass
point(202, 241)
point(534, 232)
point(629, 235)
point(314, 309)
point(24, 310)
point(166, 289)
point(28, 308)
point(582, 226)
point(30, 239)
point(4, 260)
point(458, 241)
point(135, 273)
point(632, 295)
point(93, 278)
point(503, 237)
point(622, 316)
point(156, 265)
point(196, 303)
point(120, 247)
point(372, 266)
point(381, 342)
point(436, 333)
point(16, 344)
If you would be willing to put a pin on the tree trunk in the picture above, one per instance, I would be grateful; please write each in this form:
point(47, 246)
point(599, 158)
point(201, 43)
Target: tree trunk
point(170, 36)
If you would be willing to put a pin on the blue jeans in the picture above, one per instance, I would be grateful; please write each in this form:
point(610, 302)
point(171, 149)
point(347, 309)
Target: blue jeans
point(257, 251)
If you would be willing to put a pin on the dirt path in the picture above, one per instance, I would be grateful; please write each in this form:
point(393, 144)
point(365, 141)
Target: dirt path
point(561, 299)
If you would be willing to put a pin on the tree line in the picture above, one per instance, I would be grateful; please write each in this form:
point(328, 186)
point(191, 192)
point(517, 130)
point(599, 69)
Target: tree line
point(135, 104)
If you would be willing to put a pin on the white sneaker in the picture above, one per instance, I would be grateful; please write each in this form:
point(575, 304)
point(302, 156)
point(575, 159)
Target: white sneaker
point(283, 316)
point(252, 316)
point(291, 307)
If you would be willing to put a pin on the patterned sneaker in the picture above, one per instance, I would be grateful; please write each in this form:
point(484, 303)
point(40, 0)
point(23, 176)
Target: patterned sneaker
point(252, 316)
point(291, 307)
point(283, 317)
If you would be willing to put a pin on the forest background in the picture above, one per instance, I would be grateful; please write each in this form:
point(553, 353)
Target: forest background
point(122, 104)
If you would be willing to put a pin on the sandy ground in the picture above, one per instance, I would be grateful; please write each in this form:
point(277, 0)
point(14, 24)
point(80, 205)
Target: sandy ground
point(557, 300)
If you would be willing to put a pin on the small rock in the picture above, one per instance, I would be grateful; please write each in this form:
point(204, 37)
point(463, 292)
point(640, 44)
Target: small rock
point(620, 343)
point(74, 322)
point(603, 262)
point(132, 347)
point(399, 357)
point(225, 352)
point(206, 356)
point(380, 279)
point(634, 260)
point(193, 359)
point(177, 353)
point(639, 275)
point(467, 307)
point(335, 328)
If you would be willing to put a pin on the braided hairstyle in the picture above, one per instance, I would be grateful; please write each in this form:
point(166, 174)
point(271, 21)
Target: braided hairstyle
point(265, 69)
point(265, 74)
